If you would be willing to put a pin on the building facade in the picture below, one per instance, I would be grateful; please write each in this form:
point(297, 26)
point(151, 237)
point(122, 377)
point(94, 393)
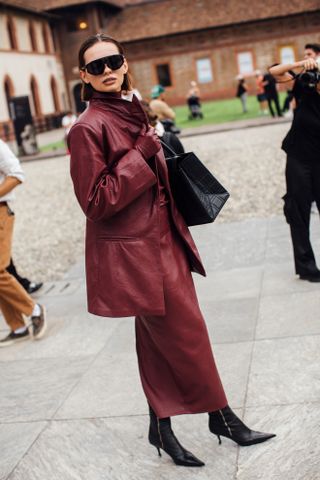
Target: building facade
point(167, 41)
point(29, 67)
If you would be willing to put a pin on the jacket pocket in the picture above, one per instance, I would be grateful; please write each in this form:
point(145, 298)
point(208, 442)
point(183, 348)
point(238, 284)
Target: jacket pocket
point(118, 238)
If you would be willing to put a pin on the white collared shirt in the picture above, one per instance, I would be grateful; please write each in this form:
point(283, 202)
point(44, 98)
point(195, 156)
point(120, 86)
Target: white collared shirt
point(9, 167)
point(128, 96)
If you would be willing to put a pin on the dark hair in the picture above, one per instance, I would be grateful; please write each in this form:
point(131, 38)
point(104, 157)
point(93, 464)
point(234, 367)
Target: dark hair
point(87, 90)
point(313, 46)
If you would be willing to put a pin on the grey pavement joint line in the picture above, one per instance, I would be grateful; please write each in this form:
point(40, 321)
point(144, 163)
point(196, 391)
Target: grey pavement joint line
point(139, 415)
point(235, 342)
point(95, 357)
point(27, 449)
point(253, 342)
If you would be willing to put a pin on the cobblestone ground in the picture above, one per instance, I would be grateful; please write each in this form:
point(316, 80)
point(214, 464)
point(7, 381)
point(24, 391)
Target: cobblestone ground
point(49, 233)
point(250, 164)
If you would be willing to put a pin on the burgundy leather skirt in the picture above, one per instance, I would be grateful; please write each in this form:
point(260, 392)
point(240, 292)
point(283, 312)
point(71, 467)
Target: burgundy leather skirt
point(177, 368)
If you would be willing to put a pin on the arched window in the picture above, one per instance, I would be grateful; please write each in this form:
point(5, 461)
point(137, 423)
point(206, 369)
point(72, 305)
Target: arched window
point(45, 36)
point(55, 94)
point(33, 37)
point(11, 29)
point(35, 96)
point(8, 90)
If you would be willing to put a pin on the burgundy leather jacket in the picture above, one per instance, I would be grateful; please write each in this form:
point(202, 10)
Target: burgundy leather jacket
point(118, 192)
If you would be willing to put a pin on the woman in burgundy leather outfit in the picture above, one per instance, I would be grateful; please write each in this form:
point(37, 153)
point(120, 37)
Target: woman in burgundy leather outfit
point(140, 254)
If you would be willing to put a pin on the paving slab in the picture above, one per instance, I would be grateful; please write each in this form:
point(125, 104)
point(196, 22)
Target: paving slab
point(233, 361)
point(16, 440)
point(285, 371)
point(293, 454)
point(280, 279)
point(229, 284)
point(231, 320)
point(34, 389)
point(222, 249)
point(117, 449)
point(74, 336)
point(287, 315)
point(111, 387)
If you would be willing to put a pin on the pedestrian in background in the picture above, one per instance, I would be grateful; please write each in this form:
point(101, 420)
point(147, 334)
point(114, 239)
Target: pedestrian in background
point(28, 285)
point(168, 139)
point(261, 95)
point(193, 101)
point(67, 121)
point(270, 88)
point(14, 300)
point(140, 253)
point(242, 93)
point(159, 105)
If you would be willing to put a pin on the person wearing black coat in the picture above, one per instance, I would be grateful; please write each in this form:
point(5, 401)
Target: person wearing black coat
point(302, 146)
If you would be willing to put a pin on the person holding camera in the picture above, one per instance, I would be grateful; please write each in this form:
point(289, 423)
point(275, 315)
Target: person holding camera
point(302, 145)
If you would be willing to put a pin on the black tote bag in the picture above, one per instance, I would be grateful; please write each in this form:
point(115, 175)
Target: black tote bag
point(197, 193)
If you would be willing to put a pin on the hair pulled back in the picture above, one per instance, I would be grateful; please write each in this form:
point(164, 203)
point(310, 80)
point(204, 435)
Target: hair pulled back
point(87, 90)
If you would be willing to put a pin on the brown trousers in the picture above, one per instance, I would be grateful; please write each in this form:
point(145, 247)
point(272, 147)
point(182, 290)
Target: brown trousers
point(14, 300)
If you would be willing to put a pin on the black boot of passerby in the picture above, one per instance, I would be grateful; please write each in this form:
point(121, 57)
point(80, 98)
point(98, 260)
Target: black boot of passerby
point(30, 287)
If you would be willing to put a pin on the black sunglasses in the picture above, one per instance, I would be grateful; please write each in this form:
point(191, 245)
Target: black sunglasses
point(114, 62)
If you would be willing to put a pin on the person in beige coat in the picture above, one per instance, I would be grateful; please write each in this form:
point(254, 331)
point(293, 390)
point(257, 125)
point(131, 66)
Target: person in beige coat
point(159, 106)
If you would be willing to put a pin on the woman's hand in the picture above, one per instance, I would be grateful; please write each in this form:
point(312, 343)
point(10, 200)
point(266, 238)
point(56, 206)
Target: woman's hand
point(148, 144)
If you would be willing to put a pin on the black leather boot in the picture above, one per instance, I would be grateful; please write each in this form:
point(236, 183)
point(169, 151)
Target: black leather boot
point(225, 423)
point(162, 436)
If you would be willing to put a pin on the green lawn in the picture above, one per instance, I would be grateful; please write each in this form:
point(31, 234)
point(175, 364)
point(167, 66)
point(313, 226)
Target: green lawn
point(53, 146)
point(220, 111)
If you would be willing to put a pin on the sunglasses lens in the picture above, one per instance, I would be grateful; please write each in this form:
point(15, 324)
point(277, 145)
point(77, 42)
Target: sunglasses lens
point(96, 67)
point(114, 62)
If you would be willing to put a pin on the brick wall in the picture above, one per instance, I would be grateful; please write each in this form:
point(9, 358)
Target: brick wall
point(181, 51)
point(263, 39)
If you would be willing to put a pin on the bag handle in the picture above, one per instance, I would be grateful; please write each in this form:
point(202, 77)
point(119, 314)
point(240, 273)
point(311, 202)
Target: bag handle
point(165, 145)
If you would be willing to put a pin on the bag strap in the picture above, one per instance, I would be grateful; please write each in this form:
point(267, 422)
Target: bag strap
point(165, 145)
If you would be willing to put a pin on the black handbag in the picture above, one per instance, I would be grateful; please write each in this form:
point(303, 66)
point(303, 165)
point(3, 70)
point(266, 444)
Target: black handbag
point(197, 193)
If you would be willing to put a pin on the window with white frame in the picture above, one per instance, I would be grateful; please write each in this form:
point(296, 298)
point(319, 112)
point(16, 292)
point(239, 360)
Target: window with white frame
point(245, 63)
point(287, 54)
point(204, 70)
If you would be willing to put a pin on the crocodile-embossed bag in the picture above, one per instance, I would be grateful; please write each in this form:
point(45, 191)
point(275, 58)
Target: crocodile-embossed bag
point(198, 194)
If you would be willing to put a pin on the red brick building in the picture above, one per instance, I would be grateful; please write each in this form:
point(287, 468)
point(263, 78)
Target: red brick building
point(212, 41)
point(175, 41)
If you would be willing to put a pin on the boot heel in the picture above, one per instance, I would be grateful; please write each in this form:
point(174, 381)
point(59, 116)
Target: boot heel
point(219, 439)
point(159, 453)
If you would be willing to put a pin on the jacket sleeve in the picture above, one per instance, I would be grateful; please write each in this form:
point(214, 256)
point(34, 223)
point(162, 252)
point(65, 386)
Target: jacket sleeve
point(102, 191)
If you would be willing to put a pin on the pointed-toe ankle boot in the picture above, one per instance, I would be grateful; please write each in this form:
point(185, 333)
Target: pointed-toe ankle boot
point(224, 423)
point(162, 437)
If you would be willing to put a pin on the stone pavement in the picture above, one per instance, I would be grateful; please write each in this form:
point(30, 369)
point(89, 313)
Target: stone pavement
point(71, 405)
